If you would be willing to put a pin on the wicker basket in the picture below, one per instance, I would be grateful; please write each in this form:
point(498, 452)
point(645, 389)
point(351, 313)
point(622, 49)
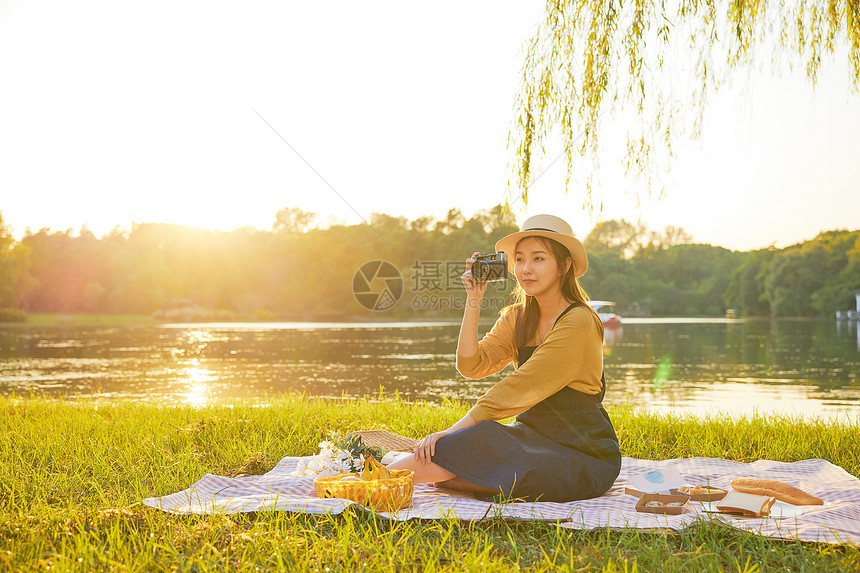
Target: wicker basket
point(379, 494)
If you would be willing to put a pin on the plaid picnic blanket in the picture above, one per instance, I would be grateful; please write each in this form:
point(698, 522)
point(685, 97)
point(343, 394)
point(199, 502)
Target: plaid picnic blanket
point(837, 521)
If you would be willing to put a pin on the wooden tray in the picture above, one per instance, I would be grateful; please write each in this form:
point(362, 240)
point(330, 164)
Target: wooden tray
point(675, 510)
point(716, 494)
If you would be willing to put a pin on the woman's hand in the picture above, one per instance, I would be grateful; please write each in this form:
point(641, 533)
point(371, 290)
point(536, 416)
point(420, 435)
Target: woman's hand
point(426, 448)
point(474, 288)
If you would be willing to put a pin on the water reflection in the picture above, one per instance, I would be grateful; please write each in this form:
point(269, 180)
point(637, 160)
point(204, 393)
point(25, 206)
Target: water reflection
point(699, 366)
point(196, 379)
point(847, 327)
point(799, 367)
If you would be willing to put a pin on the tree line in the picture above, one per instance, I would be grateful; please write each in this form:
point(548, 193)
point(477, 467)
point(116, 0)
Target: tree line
point(299, 270)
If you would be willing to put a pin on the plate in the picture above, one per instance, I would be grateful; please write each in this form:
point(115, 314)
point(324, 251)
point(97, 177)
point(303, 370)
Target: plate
point(780, 510)
point(655, 480)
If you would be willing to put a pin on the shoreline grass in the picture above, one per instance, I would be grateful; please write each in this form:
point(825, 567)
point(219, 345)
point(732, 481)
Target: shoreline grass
point(74, 473)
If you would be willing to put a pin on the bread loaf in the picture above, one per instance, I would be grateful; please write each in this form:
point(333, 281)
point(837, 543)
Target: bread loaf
point(777, 489)
point(746, 503)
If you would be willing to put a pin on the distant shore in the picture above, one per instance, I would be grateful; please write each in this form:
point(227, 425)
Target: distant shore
point(92, 319)
point(107, 319)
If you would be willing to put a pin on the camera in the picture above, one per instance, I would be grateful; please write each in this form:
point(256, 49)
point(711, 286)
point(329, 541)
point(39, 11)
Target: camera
point(492, 267)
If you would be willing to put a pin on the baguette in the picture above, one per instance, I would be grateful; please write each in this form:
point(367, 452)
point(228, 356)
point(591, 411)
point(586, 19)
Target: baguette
point(777, 489)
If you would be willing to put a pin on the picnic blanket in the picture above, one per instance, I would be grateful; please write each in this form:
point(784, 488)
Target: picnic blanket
point(837, 521)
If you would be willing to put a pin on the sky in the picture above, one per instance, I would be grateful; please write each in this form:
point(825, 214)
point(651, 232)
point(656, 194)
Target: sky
point(114, 113)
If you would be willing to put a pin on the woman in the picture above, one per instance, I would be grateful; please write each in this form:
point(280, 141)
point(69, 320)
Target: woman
point(562, 445)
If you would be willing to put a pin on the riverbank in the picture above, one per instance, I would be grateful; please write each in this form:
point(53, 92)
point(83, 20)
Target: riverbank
point(81, 319)
point(91, 319)
point(74, 474)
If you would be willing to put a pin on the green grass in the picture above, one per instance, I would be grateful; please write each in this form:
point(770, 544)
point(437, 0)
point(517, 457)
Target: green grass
point(73, 474)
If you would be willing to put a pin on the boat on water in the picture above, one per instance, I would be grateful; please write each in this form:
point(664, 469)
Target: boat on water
point(605, 309)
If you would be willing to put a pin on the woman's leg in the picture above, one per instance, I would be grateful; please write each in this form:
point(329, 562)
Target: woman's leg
point(434, 473)
point(460, 484)
point(423, 472)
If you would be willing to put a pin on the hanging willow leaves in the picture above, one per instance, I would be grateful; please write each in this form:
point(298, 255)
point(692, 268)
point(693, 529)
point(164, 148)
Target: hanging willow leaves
point(653, 66)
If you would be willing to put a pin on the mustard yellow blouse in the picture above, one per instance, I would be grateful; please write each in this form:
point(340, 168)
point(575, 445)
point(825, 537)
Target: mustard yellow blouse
point(571, 355)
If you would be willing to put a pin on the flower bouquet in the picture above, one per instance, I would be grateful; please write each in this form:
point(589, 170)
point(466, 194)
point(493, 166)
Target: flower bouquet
point(338, 456)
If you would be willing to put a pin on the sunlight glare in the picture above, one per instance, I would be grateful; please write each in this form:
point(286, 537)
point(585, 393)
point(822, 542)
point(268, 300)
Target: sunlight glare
point(198, 393)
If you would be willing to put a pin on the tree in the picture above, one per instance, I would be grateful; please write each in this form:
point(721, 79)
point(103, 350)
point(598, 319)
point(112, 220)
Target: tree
point(453, 220)
point(612, 277)
point(93, 293)
point(15, 278)
point(838, 292)
point(673, 236)
point(388, 224)
point(293, 220)
point(616, 236)
point(496, 218)
point(63, 264)
point(793, 276)
point(745, 290)
point(696, 276)
point(588, 58)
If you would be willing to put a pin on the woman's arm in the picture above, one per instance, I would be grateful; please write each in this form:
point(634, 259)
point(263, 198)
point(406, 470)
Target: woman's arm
point(426, 448)
point(495, 351)
point(571, 355)
point(467, 343)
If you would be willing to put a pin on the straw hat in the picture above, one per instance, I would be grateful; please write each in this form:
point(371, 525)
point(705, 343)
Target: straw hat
point(551, 227)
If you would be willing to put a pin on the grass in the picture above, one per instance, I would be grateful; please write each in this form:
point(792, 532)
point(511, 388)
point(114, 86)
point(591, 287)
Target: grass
point(73, 475)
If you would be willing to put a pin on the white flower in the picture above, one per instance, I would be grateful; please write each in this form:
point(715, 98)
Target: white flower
point(342, 457)
point(330, 461)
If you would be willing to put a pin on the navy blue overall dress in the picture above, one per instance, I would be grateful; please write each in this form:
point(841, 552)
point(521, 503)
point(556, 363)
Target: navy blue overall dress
point(563, 448)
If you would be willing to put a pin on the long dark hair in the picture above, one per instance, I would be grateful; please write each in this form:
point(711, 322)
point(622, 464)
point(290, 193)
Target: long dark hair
point(526, 307)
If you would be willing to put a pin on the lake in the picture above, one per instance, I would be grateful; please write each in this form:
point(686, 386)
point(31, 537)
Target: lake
point(797, 367)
